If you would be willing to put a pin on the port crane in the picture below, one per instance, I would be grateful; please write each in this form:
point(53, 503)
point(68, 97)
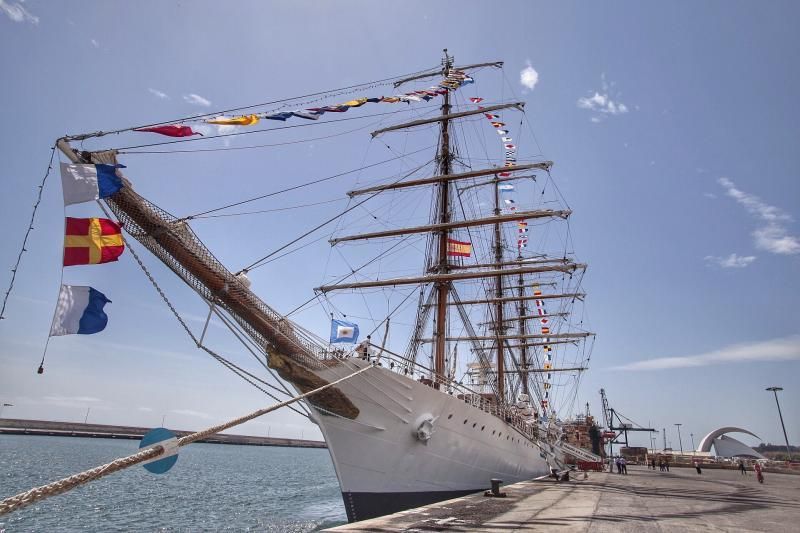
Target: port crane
point(614, 424)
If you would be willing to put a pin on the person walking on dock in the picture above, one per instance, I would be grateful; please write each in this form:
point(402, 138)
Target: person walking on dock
point(697, 467)
point(742, 468)
point(624, 464)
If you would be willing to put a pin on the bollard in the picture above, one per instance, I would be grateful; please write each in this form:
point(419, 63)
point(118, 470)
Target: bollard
point(495, 490)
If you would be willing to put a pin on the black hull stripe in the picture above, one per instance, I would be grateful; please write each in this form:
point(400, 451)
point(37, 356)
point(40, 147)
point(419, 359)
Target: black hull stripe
point(366, 505)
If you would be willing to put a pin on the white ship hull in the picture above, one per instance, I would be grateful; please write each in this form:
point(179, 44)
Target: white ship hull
point(383, 467)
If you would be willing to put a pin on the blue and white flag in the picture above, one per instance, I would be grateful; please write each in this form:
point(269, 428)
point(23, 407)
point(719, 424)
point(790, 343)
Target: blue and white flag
point(506, 187)
point(342, 331)
point(84, 183)
point(79, 310)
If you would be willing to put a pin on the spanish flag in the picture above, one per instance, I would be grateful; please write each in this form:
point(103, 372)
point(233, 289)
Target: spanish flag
point(89, 241)
point(458, 248)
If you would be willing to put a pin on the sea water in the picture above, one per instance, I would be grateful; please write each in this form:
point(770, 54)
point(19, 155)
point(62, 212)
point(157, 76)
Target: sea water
point(212, 487)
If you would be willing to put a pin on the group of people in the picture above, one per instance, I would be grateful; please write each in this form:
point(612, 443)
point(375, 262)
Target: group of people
point(663, 465)
point(622, 465)
point(757, 468)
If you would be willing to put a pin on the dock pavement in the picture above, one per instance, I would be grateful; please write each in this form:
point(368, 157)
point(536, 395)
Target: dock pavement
point(643, 500)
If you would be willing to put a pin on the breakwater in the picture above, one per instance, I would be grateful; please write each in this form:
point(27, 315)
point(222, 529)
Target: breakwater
point(15, 426)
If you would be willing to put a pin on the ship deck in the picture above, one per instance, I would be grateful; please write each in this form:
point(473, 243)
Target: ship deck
point(644, 500)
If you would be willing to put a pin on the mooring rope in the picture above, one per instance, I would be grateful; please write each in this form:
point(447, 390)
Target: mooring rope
point(34, 495)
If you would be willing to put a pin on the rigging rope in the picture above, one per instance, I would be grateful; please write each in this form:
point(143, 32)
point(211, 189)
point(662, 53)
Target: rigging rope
point(260, 262)
point(22, 249)
point(302, 185)
point(34, 495)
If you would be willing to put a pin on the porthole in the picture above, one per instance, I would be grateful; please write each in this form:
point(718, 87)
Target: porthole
point(450, 416)
point(494, 431)
point(475, 424)
point(483, 427)
point(465, 420)
point(500, 434)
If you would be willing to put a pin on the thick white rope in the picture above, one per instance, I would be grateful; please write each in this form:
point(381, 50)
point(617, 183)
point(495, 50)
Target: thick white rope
point(23, 499)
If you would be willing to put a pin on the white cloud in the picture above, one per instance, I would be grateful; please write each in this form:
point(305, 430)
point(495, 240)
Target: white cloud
point(196, 99)
point(17, 13)
point(731, 261)
point(158, 94)
point(774, 237)
point(528, 76)
point(95, 43)
point(191, 412)
point(710, 195)
point(60, 399)
point(602, 102)
point(785, 349)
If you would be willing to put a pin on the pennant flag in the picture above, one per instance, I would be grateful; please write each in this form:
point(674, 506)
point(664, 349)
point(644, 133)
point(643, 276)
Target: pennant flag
point(356, 103)
point(511, 147)
point(458, 248)
point(278, 116)
point(491, 116)
point(546, 385)
point(498, 124)
point(548, 366)
point(307, 114)
point(502, 132)
point(172, 130)
point(84, 183)
point(506, 187)
point(79, 310)
point(476, 100)
point(245, 120)
point(390, 99)
point(545, 330)
point(374, 100)
point(504, 174)
point(507, 139)
point(90, 241)
point(342, 331)
point(509, 201)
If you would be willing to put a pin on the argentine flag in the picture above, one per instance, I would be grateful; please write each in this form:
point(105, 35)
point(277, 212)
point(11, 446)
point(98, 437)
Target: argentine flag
point(342, 331)
point(84, 183)
point(79, 310)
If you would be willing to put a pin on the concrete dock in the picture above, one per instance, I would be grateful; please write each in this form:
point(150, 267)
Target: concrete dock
point(16, 426)
point(643, 500)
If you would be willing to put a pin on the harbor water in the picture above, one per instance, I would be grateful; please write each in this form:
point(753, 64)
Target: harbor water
point(211, 488)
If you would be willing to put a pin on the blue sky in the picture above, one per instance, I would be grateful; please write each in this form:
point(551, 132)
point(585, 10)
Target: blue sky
point(673, 129)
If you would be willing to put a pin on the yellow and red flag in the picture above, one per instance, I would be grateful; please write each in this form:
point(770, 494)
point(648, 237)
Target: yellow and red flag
point(89, 241)
point(458, 248)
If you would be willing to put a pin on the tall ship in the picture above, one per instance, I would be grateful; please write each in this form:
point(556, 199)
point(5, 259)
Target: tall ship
point(461, 258)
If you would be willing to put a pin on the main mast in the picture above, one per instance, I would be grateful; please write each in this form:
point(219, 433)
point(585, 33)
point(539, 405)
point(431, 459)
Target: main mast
point(499, 321)
point(443, 287)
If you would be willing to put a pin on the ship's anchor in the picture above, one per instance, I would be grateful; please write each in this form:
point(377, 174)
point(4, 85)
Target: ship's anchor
point(424, 430)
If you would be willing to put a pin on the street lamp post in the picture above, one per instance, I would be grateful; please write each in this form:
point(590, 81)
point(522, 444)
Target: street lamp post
point(780, 415)
point(691, 435)
point(680, 442)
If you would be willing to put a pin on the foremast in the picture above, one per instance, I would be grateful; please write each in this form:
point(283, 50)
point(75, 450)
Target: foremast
point(443, 287)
